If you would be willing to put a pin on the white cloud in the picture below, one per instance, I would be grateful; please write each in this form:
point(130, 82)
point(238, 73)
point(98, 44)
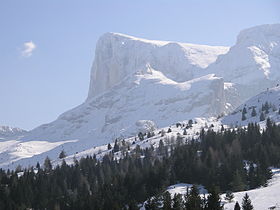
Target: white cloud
point(28, 48)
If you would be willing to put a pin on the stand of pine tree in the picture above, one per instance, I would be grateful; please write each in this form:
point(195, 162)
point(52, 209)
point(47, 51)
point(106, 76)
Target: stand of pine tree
point(230, 160)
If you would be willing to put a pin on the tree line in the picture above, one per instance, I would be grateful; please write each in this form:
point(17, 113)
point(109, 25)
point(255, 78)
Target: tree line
point(227, 160)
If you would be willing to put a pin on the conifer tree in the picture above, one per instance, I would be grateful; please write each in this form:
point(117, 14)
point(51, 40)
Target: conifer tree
point(193, 200)
point(246, 203)
point(213, 200)
point(262, 117)
point(47, 164)
point(62, 154)
point(153, 203)
point(237, 206)
point(229, 196)
point(167, 201)
point(254, 113)
point(178, 203)
point(244, 111)
point(141, 136)
point(116, 146)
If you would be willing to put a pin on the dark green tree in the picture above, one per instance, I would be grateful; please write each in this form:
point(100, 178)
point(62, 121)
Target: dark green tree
point(229, 196)
point(237, 206)
point(62, 154)
point(193, 200)
point(254, 113)
point(262, 117)
point(167, 201)
point(244, 111)
point(178, 203)
point(246, 203)
point(47, 164)
point(213, 200)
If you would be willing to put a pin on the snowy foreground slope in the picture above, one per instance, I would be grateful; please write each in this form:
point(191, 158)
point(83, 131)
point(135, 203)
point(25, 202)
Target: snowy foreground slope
point(140, 85)
point(262, 198)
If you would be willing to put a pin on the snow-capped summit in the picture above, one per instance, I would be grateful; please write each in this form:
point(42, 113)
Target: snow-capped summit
point(253, 63)
point(118, 55)
point(259, 34)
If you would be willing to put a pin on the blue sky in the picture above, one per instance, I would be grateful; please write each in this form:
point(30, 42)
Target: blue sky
point(47, 47)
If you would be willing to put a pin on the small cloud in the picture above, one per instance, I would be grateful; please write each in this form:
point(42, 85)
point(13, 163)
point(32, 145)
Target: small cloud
point(28, 48)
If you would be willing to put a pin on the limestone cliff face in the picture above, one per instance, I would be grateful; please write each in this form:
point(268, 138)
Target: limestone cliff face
point(118, 56)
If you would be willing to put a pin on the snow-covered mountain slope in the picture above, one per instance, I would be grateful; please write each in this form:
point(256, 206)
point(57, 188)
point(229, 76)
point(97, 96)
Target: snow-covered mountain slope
point(256, 109)
point(140, 98)
point(28, 153)
point(118, 55)
point(7, 131)
point(253, 63)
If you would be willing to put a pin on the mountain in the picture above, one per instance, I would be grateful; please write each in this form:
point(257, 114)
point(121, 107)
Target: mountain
point(141, 85)
point(7, 131)
point(135, 82)
point(252, 64)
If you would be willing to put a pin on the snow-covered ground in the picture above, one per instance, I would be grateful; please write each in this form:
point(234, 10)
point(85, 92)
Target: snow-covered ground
point(271, 97)
point(262, 198)
point(14, 152)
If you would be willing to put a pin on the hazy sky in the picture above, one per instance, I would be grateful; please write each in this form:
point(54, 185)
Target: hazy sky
point(47, 47)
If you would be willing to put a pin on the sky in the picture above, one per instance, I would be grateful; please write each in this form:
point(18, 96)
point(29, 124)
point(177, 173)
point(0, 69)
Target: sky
point(47, 47)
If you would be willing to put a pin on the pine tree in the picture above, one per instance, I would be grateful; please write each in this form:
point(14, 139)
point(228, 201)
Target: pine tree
point(161, 147)
point(116, 146)
point(190, 123)
point(141, 136)
point(213, 200)
point(167, 201)
point(153, 203)
point(178, 203)
point(254, 113)
point(47, 164)
point(237, 182)
point(244, 111)
point(246, 203)
point(193, 200)
point(109, 146)
point(262, 117)
point(169, 130)
point(266, 107)
point(237, 206)
point(229, 196)
point(62, 154)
